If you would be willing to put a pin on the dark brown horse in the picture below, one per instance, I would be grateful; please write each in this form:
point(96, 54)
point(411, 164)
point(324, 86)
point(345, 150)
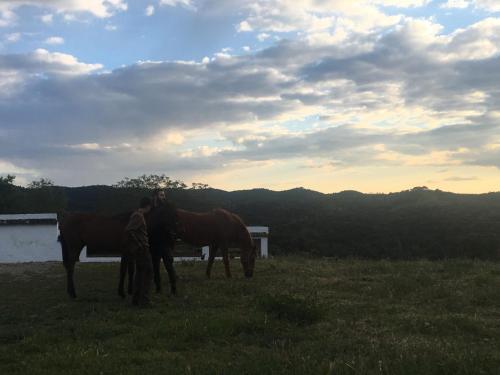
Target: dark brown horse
point(100, 234)
point(218, 229)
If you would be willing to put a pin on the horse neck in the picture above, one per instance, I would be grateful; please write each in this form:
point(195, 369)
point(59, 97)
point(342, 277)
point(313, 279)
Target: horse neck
point(246, 239)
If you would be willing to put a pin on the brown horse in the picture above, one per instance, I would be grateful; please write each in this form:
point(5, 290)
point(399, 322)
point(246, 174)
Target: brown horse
point(218, 229)
point(100, 234)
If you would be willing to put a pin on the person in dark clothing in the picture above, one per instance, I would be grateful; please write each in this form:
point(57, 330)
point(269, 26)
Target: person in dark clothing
point(137, 245)
point(162, 239)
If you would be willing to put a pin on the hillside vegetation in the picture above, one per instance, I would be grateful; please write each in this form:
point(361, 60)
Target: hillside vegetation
point(417, 223)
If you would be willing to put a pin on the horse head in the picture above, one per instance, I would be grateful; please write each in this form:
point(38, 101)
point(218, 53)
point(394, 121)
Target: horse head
point(248, 255)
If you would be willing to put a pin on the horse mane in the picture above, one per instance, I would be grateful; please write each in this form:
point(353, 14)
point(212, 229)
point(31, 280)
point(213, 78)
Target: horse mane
point(238, 219)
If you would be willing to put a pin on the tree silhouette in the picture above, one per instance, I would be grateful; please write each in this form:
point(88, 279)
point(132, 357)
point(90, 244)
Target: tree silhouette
point(152, 181)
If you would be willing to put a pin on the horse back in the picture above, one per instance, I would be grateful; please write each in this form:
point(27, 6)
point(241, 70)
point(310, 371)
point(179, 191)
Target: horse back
point(197, 228)
point(100, 234)
point(218, 226)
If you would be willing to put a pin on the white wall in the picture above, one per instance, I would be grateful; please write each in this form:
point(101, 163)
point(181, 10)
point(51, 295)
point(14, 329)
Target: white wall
point(29, 243)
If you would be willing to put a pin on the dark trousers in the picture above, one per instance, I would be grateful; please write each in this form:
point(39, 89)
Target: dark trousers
point(159, 253)
point(143, 277)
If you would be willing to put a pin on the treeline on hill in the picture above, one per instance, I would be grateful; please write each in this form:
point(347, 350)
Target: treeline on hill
point(416, 223)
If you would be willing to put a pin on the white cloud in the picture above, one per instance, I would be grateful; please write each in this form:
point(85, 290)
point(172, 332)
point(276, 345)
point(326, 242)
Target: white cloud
point(110, 27)
point(86, 146)
point(175, 138)
point(47, 18)
point(69, 17)
point(184, 3)
point(310, 16)
point(476, 42)
point(459, 4)
point(17, 71)
point(149, 11)
point(98, 8)
point(13, 37)
point(53, 40)
point(488, 5)
point(402, 3)
point(7, 17)
point(492, 6)
point(263, 36)
point(244, 26)
point(42, 61)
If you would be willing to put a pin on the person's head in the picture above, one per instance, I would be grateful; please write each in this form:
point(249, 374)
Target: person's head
point(145, 204)
point(159, 196)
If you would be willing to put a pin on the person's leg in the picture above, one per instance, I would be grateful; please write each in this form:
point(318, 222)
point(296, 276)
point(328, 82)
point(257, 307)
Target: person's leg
point(139, 272)
point(168, 262)
point(156, 270)
point(146, 279)
point(123, 273)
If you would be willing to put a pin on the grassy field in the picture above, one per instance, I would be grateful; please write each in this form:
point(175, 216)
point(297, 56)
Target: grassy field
point(297, 316)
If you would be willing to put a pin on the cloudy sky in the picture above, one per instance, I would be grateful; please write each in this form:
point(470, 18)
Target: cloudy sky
point(371, 95)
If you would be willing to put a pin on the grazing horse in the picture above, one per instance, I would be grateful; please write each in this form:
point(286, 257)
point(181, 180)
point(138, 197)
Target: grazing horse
point(217, 229)
point(100, 234)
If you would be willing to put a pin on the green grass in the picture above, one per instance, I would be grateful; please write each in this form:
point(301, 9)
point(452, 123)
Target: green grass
point(296, 316)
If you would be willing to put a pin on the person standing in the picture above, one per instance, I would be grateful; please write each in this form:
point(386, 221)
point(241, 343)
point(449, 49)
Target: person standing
point(162, 239)
point(137, 243)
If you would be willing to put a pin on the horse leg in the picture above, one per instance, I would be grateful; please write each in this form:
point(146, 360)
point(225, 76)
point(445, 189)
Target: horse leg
point(70, 270)
point(168, 262)
point(225, 255)
point(211, 257)
point(70, 253)
point(123, 271)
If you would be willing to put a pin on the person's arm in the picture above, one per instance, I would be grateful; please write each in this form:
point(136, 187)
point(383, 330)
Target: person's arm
point(136, 222)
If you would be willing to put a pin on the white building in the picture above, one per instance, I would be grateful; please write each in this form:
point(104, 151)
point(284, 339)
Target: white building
point(29, 238)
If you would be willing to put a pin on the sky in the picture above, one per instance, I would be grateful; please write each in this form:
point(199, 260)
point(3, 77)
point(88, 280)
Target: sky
point(369, 95)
